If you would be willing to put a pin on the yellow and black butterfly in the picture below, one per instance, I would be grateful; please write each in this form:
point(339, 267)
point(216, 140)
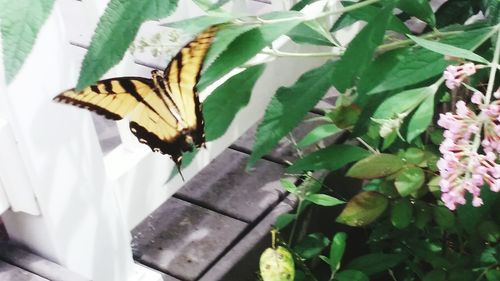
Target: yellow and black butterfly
point(164, 112)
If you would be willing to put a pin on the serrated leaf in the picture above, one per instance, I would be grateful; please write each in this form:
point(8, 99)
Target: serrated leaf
point(351, 275)
point(376, 166)
point(311, 32)
point(311, 246)
point(221, 106)
point(360, 51)
point(21, 20)
point(323, 200)
point(443, 217)
point(363, 209)
point(407, 66)
point(421, 118)
point(198, 24)
point(376, 262)
point(317, 134)
point(367, 14)
point(449, 50)
point(401, 213)
point(331, 158)
point(289, 107)
point(409, 180)
point(420, 9)
point(115, 31)
point(247, 45)
point(337, 250)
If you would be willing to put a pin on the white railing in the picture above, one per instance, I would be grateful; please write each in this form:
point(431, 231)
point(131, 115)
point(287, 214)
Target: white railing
point(68, 202)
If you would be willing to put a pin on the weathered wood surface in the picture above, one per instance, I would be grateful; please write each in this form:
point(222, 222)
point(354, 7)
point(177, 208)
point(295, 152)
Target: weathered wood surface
point(182, 239)
point(226, 187)
point(9, 272)
point(33, 263)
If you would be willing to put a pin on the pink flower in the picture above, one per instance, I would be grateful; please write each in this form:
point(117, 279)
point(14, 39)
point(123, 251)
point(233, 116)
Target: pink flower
point(454, 75)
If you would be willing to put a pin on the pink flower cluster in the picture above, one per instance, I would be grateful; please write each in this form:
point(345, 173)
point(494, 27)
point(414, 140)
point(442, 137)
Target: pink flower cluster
point(455, 74)
point(462, 167)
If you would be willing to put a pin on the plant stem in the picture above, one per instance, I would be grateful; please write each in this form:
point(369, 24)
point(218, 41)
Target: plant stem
point(374, 151)
point(407, 42)
point(493, 71)
point(295, 222)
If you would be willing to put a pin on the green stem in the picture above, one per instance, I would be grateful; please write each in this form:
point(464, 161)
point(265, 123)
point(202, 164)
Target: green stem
point(278, 53)
point(493, 71)
point(295, 222)
point(408, 42)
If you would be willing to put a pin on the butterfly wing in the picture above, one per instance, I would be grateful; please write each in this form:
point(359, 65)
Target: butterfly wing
point(113, 98)
point(182, 75)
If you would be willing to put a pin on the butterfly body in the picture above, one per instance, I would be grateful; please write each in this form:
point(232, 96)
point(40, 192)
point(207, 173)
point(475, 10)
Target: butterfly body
point(164, 111)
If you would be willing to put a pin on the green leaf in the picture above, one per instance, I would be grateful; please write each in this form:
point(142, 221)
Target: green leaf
point(375, 263)
point(449, 50)
point(418, 8)
point(323, 200)
point(288, 186)
point(247, 45)
point(443, 217)
point(421, 118)
point(376, 166)
point(403, 67)
point(224, 37)
point(331, 158)
point(401, 213)
point(367, 14)
point(311, 246)
point(404, 101)
point(283, 220)
point(435, 275)
point(115, 31)
point(221, 106)
point(493, 275)
point(288, 107)
point(20, 23)
point(423, 215)
point(489, 231)
point(198, 24)
point(360, 51)
point(337, 250)
point(187, 158)
point(351, 275)
point(300, 5)
point(311, 32)
point(318, 133)
point(409, 180)
point(363, 209)
point(414, 155)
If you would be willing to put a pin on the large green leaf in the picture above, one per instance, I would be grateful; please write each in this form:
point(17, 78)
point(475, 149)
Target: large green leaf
point(402, 67)
point(401, 213)
point(311, 32)
point(318, 133)
point(404, 101)
point(376, 262)
point(248, 44)
point(20, 22)
point(289, 106)
point(409, 180)
point(311, 245)
point(446, 49)
point(421, 119)
point(367, 14)
point(363, 209)
point(331, 158)
point(376, 166)
point(115, 31)
point(221, 106)
point(418, 8)
point(337, 250)
point(359, 53)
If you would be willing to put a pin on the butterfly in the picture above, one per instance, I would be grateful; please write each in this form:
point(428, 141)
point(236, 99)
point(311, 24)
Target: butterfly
point(164, 111)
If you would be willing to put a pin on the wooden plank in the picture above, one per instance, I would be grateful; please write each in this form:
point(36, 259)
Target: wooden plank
point(242, 261)
point(182, 239)
point(226, 187)
point(33, 263)
point(9, 272)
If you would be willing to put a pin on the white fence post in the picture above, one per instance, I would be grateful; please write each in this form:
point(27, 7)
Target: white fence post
point(80, 226)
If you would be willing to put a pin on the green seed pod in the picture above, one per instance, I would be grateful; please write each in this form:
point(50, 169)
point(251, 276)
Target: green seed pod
point(277, 265)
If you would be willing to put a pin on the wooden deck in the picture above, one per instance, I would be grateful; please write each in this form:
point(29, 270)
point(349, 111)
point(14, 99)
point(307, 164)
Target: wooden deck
point(214, 228)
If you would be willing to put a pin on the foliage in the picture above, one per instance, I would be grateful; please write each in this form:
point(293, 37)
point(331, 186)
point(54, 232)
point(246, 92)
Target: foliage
point(416, 223)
